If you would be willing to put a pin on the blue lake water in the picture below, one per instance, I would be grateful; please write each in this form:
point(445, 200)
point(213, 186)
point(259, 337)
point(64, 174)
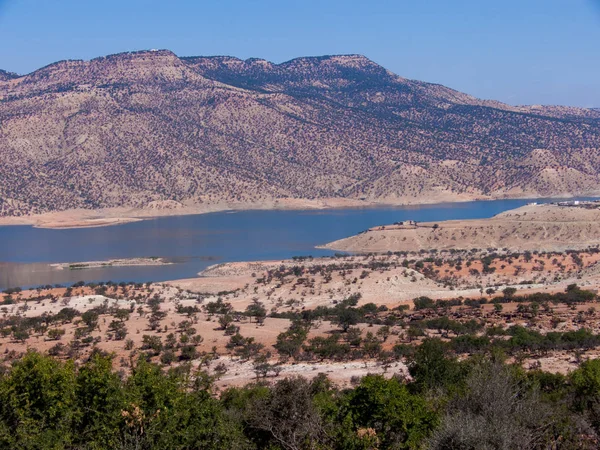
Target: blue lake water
point(195, 242)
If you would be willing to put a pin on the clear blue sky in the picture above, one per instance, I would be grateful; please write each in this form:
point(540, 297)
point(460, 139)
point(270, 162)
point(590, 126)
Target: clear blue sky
point(516, 51)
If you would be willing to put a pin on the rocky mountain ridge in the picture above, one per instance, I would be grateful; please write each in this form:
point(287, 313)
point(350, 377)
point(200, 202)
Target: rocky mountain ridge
point(145, 128)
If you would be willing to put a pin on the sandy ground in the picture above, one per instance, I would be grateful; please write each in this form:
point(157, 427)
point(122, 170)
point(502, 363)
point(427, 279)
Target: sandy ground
point(239, 372)
point(341, 373)
point(384, 279)
point(389, 287)
point(532, 227)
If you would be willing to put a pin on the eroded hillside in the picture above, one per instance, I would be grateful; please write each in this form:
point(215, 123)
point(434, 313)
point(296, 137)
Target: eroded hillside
point(148, 129)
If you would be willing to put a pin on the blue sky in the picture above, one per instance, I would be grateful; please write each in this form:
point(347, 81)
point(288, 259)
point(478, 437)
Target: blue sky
point(519, 52)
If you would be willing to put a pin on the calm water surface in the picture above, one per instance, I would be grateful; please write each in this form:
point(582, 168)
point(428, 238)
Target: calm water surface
point(195, 242)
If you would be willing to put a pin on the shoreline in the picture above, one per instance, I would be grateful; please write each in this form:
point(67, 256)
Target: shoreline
point(87, 223)
point(83, 218)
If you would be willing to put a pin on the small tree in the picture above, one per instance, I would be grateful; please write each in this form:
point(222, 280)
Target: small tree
point(225, 320)
point(55, 334)
point(346, 317)
point(152, 343)
point(168, 357)
point(371, 345)
point(90, 318)
point(261, 366)
point(354, 336)
point(423, 303)
point(383, 333)
point(122, 314)
point(509, 292)
point(118, 329)
point(257, 309)
point(290, 342)
point(20, 335)
point(188, 352)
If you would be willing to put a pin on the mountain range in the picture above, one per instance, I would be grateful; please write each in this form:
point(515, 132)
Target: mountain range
point(150, 129)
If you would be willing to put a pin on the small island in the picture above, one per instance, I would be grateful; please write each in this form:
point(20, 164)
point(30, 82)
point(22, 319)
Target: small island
point(152, 261)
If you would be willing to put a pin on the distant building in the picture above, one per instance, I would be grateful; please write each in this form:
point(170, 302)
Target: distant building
point(571, 203)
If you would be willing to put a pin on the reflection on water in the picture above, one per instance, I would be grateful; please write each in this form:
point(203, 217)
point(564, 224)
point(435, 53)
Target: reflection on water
point(195, 242)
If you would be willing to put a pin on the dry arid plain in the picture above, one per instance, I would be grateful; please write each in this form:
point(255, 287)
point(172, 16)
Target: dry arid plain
point(345, 315)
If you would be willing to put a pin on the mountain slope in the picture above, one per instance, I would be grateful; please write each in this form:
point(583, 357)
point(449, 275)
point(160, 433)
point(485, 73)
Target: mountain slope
point(5, 76)
point(137, 129)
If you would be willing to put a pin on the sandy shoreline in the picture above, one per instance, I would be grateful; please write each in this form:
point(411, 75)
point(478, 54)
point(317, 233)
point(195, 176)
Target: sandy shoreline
point(83, 218)
point(86, 223)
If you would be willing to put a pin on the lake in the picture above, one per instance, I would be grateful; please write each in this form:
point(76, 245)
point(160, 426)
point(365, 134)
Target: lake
point(197, 241)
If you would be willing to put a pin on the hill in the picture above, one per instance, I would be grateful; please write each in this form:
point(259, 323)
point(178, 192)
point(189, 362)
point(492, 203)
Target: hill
point(528, 228)
point(151, 130)
point(5, 76)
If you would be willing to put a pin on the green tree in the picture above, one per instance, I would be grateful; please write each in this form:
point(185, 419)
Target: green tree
point(197, 421)
point(152, 343)
point(100, 400)
point(188, 352)
point(431, 367)
point(225, 320)
point(371, 345)
point(346, 317)
point(384, 333)
point(290, 342)
point(37, 403)
point(90, 318)
point(399, 418)
point(423, 303)
point(66, 315)
point(55, 334)
point(20, 334)
point(509, 292)
point(122, 314)
point(257, 309)
point(585, 382)
point(119, 329)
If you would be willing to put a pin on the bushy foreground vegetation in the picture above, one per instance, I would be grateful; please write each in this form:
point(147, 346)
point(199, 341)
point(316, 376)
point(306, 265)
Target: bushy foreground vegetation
point(461, 392)
point(478, 403)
